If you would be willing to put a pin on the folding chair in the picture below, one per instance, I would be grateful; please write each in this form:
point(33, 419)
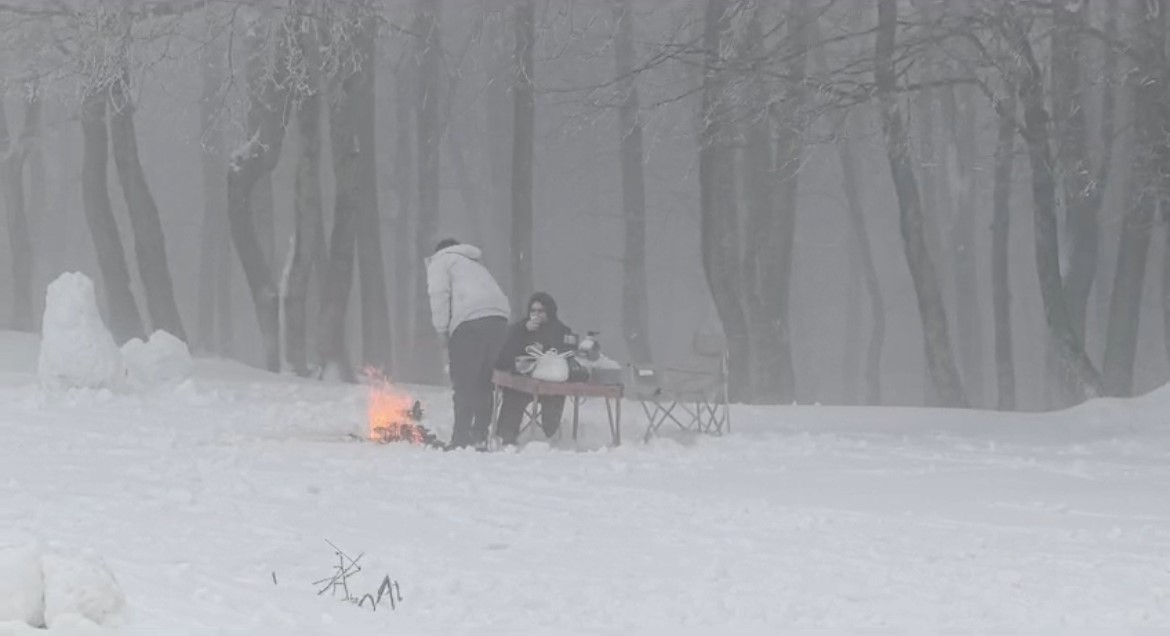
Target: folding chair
point(692, 398)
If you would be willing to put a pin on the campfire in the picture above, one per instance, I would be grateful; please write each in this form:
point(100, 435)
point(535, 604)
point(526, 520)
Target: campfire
point(392, 415)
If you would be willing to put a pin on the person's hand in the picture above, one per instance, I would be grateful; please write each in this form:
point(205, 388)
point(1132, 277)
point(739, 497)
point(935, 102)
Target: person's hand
point(532, 324)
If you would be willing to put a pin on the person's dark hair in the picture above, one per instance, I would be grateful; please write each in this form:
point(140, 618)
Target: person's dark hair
point(550, 305)
point(445, 243)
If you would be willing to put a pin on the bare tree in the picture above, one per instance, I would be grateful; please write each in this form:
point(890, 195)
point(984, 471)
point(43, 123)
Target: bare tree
point(429, 55)
point(635, 292)
point(1148, 84)
point(859, 239)
point(939, 357)
point(307, 204)
point(523, 147)
point(213, 322)
point(376, 337)
point(149, 242)
point(718, 231)
point(1001, 295)
point(15, 153)
point(125, 321)
point(1074, 367)
point(268, 106)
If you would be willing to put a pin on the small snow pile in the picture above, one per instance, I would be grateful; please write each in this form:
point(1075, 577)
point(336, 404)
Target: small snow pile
point(77, 588)
point(161, 360)
point(42, 589)
point(22, 585)
point(77, 351)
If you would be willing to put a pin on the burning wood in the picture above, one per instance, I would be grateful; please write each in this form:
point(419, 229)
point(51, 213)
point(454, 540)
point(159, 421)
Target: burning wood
point(392, 415)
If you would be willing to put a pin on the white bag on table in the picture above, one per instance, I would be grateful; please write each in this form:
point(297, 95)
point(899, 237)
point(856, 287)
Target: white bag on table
point(550, 365)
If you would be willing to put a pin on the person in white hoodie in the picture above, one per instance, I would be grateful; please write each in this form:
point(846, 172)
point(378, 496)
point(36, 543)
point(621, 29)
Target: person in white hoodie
point(470, 312)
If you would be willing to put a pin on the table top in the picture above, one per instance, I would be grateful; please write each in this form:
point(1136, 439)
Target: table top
point(532, 386)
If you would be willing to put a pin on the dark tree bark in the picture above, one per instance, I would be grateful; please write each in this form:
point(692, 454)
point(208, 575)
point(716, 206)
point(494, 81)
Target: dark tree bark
point(125, 321)
point(426, 351)
point(1149, 91)
point(345, 86)
point(939, 357)
point(959, 119)
point(376, 336)
point(718, 231)
point(1084, 186)
point(1001, 295)
point(307, 200)
point(213, 324)
point(1075, 368)
point(771, 178)
point(149, 242)
point(523, 148)
point(406, 261)
point(24, 307)
point(497, 143)
point(266, 120)
point(635, 291)
point(859, 239)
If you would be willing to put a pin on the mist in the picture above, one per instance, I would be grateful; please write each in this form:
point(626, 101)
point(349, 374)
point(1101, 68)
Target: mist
point(792, 174)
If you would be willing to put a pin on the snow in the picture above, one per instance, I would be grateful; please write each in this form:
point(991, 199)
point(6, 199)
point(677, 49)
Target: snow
point(207, 504)
point(77, 350)
point(160, 361)
point(22, 584)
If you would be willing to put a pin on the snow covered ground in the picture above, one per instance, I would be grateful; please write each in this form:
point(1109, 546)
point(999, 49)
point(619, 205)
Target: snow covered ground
point(211, 502)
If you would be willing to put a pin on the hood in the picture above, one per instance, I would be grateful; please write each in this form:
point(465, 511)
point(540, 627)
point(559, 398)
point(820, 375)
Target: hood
point(467, 251)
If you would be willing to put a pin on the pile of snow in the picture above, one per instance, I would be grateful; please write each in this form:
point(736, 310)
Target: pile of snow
point(161, 360)
point(41, 589)
point(77, 350)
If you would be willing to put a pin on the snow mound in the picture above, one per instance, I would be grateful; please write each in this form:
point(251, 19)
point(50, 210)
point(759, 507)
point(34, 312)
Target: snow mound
point(22, 585)
point(80, 591)
point(40, 589)
point(161, 360)
point(77, 350)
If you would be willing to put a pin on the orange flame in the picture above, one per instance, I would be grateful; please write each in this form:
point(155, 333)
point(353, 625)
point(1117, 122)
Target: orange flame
point(388, 411)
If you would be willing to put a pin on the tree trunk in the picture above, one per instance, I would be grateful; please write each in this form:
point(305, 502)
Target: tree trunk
point(376, 343)
point(523, 148)
point(125, 321)
point(1075, 367)
point(149, 243)
point(959, 119)
point(718, 240)
point(426, 354)
point(212, 332)
point(264, 213)
point(635, 291)
point(1001, 295)
point(346, 86)
point(777, 372)
point(266, 120)
point(406, 261)
point(1149, 92)
point(497, 143)
point(19, 235)
point(307, 201)
point(859, 240)
point(935, 212)
point(939, 357)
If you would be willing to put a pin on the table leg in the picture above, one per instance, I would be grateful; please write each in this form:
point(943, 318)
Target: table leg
point(576, 409)
point(617, 429)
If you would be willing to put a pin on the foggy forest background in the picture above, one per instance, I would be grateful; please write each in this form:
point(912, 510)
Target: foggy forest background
point(944, 202)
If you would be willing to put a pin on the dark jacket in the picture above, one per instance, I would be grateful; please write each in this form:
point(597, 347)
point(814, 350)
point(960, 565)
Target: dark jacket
point(551, 335)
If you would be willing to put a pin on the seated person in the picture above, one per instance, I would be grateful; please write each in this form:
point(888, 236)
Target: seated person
point(541, 327)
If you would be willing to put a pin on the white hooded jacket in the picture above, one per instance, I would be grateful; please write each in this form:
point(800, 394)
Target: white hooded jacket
point(461, 288)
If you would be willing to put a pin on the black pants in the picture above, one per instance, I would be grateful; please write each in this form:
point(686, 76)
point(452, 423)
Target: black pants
point(512, 412)
point(472, 352)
